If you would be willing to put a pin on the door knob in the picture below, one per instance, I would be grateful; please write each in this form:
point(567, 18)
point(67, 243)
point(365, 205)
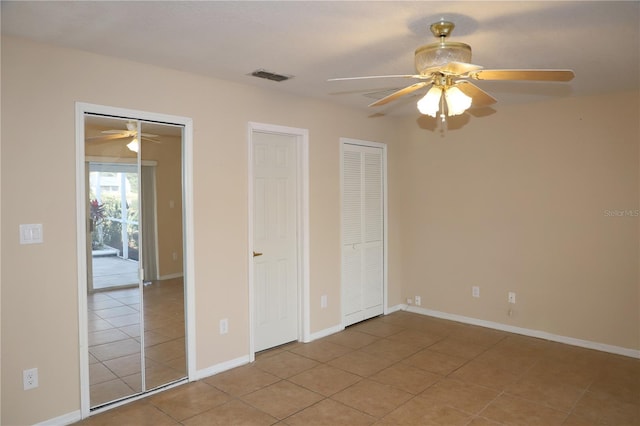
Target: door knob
point(256, 254)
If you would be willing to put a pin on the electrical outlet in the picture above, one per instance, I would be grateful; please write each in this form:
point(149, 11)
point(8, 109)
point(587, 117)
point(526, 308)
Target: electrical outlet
point(30, 378)
point(224, 326)
point(323, 301)
point(409, 301)
point(418, 300)
point(174, 255)
point(512, 297)
point(475, 291)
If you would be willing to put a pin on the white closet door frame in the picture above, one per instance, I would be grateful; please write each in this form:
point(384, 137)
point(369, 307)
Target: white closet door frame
point(383, 147)
point(81, 108)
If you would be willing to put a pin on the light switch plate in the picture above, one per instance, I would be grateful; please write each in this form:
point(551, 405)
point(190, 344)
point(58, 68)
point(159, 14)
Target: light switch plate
point(224, 326)
point(323, 301)
point(31, 233)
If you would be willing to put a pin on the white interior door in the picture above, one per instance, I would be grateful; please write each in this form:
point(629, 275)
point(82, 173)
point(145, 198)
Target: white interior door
point(362, 232)
point(275, 242)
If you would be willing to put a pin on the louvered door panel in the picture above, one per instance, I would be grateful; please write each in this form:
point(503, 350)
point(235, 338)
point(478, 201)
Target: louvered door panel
point(352, 199)
point(362, 233)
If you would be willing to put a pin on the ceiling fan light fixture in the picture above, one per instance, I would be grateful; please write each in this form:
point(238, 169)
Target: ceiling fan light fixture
point(443, 52)
point(133, 145)
point(430, 103)
point(457, 102)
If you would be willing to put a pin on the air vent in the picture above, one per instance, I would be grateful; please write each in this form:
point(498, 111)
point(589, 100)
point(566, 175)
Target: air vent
point(270, 75)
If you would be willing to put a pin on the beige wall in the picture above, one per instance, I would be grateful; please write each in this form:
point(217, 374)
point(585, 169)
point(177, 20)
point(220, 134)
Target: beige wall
point(0, 257)
point(39, 282)
point(519, 201)
point(169, 203)
point(512, 201)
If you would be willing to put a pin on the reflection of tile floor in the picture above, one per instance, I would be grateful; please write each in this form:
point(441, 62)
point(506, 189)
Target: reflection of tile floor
point(113, 271)
point(406, 369)
point(114, 339)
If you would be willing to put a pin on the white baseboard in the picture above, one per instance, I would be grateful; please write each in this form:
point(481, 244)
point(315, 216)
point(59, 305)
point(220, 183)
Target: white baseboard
point(633, 353)
point(339, 327)
point(223, 366)
point(396, 308)
point(65, 419)
point(171, 276)
point(324, 333)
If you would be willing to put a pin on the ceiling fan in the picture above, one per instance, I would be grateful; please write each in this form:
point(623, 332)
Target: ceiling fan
point(446, 67)
point(131, 132)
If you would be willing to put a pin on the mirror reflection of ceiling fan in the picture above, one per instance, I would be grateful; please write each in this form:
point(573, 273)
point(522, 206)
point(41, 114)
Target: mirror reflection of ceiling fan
point(130, 133)
point(445, 67)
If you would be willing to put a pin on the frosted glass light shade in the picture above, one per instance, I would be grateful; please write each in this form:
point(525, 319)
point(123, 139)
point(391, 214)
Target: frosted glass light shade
point(439, 54)
point(430, 103)
point(457, 102)
point(133, 145)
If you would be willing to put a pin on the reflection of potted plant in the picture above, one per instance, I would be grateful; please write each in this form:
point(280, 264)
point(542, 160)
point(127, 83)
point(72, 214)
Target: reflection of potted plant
point(96, 213)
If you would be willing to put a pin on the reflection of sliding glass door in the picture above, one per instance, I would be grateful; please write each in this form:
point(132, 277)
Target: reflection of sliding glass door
point(114, 209)
point(136, 316)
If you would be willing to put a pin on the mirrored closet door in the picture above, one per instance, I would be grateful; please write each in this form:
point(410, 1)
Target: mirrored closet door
point(135, 266)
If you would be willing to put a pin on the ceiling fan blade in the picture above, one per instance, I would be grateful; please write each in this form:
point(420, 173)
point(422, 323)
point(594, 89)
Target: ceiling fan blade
point(451, 68)
point(106, 137)
point(395, 95)
point(532, 75)
point(479, 97)
point(378, 76)
point(115, 132)
point(459, 68)
point(149, 140)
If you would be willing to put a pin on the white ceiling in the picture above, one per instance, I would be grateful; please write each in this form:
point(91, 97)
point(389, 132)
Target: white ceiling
point(317, 40)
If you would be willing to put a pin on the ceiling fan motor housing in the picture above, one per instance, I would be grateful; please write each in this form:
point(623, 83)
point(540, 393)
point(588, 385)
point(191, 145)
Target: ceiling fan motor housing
point(440, 54)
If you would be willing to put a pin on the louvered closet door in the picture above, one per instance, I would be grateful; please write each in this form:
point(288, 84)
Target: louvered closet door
point(362, 233)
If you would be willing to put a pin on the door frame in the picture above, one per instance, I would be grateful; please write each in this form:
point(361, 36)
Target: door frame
point(385, 221)
point(81, 108)
point(302, 218)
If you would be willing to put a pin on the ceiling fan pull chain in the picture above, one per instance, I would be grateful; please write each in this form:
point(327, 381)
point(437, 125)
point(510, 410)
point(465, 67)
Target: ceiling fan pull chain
point(442, 118)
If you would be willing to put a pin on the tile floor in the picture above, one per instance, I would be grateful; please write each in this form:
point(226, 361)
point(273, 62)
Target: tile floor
point(114, 340)
point(405, 369)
